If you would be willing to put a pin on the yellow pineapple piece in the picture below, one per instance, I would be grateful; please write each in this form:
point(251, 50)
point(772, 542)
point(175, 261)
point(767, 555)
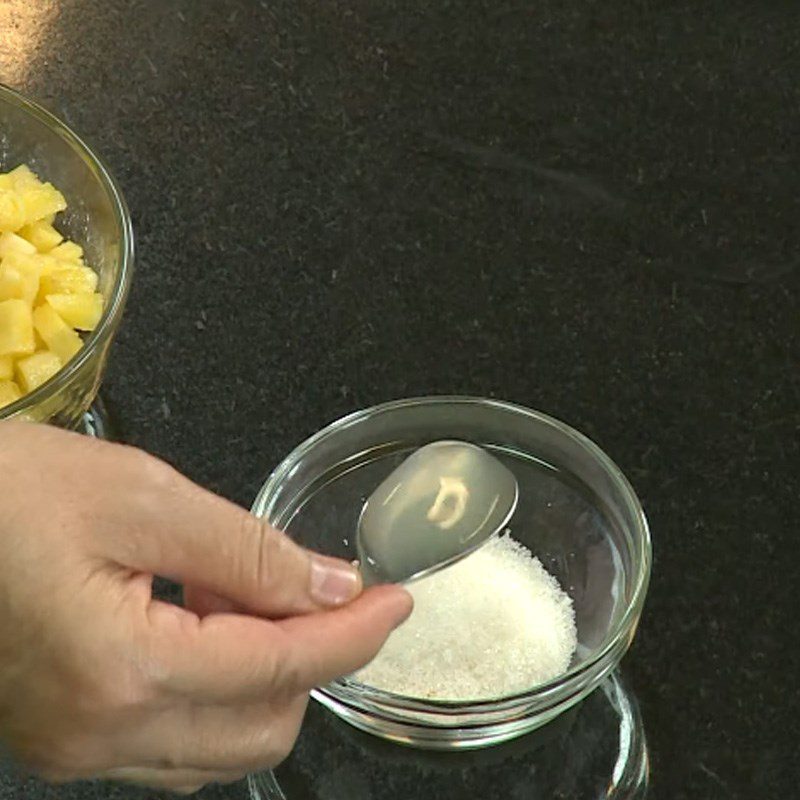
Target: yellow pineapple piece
point(9, 393)
point(56, 334)
point(19, 278)
point(68, 280)
point(18, 284)
point(6, 368)
point(19, 179)
point(68, 251)
point(11, 243)
point(82, 311)
point(34, 370)
point(32, 261)
point(41, 201)
point(42, 235)
point(16, 328)
point(23, 178)
point(12, 210)
point(46, 263)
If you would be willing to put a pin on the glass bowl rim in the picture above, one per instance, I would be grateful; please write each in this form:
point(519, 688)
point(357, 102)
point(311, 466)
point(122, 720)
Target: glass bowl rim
point(354, 691)
point(120, 289)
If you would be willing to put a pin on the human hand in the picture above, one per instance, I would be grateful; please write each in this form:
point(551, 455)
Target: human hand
point(99, 679)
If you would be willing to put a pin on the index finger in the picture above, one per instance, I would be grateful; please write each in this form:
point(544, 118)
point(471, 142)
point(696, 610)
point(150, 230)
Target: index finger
point(234, 657)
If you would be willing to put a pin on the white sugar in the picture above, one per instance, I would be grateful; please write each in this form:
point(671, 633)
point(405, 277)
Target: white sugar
point(493, 624)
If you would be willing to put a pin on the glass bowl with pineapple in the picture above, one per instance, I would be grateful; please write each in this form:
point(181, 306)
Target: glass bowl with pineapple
point(66, 259)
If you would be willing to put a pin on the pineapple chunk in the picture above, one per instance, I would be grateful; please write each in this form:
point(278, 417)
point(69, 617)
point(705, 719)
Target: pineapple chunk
point(9, 393)
point(16, 328)
point(19, 278)
point(34, 370)
point(82, 311)
point(46, 263)
point(6, 368)
point(13, 283)
point(42, 235)
point(68, 251)
point(11, 243)
point(12, 210)
point(19, 179)
point(68, 280)
point(23, 178)
point(41, 201)
point(16, 284)
point(55, 333)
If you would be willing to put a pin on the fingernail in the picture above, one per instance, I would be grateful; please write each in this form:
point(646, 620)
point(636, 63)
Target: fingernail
point(333, 582)
point(406, 608)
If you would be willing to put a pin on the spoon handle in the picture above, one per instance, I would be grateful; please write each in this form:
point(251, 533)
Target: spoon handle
point(369, 573)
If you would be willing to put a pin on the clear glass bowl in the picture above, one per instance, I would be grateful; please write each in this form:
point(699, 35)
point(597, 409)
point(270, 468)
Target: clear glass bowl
point(577, 513)
point(595, 751)
point(98, 220)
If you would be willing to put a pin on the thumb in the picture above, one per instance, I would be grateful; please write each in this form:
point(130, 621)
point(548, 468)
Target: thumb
point(204, 541)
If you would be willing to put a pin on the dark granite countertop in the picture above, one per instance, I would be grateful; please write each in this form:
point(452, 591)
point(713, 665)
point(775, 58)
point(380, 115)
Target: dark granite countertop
point(587, 208)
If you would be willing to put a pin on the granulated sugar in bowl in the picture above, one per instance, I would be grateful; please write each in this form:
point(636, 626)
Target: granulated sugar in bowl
point(519, 631)
point(493, 624)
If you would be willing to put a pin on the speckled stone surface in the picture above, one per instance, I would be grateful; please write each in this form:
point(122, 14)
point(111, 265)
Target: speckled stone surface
point(586, 207)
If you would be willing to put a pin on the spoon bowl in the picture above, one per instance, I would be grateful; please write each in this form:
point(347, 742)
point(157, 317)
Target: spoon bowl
point(442, 503)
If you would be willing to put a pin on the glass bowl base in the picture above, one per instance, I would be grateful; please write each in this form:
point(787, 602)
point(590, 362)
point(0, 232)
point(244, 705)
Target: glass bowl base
point(594, 751)
point(96, 421)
